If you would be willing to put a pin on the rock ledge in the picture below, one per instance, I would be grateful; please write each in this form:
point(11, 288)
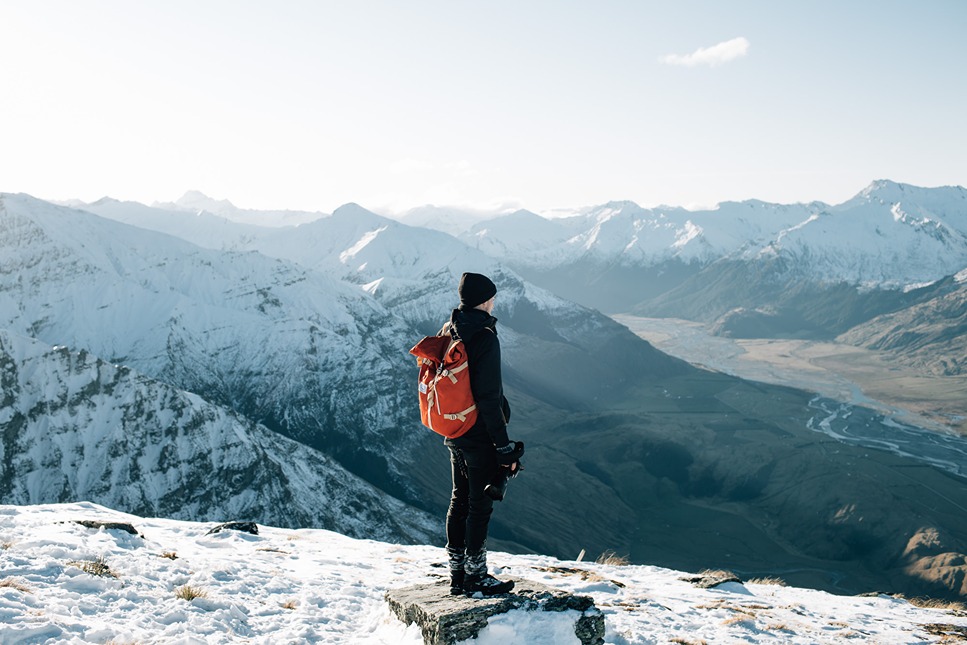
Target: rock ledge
point(446, 619)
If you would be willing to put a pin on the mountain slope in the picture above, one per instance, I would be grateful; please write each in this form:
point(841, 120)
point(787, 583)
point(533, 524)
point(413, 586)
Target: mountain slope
point(77, 428)
point(266, 338)
point(931, 335)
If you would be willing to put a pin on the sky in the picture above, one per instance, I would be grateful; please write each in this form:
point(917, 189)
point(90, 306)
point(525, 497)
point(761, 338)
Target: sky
point(492, 105)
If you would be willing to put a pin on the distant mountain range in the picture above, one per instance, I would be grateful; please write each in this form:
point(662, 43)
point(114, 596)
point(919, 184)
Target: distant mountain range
point(304, 330)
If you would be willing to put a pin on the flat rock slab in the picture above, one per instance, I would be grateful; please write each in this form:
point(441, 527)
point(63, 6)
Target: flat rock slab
point(446, 619)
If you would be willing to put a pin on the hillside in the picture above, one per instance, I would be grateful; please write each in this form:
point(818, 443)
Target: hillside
point(930, 335)
point(78, 428)
point(316, 586)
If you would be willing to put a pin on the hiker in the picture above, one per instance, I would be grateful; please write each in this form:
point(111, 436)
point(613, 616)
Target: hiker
point(476, 456)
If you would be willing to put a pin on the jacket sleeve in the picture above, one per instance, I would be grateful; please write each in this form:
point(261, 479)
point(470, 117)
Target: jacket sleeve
point(487, 387)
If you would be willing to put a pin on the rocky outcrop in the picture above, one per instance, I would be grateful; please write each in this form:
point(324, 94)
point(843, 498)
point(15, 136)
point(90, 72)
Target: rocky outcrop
point(446, 619)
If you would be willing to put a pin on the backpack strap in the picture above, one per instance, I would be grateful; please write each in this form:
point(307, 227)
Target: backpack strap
point(460, 416)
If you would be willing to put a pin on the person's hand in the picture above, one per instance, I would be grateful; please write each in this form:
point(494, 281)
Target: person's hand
point(510, 454)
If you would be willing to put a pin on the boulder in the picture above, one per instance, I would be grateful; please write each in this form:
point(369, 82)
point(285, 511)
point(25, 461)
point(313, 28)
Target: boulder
point(446, 619)
point(244, 527)
point(97, 524)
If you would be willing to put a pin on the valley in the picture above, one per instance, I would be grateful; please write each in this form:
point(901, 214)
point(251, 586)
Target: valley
point(831, 369)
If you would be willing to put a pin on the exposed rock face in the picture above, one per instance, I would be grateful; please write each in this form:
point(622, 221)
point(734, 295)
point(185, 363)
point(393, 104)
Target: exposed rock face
point(446, 619)
point(244, 527)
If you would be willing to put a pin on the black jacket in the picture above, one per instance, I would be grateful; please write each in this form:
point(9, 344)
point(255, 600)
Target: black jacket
point(478, 331)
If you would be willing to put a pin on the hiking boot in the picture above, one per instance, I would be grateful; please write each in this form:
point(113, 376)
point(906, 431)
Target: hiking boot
point(456, 582)
point(456, 559)
point(486, 584)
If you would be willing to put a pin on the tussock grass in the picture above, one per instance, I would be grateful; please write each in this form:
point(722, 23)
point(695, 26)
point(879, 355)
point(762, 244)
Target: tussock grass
point(771, 580)
point(12, 583)
point(96, 567)
point(739, 618)
point(937, 603)
point(612, 558)
point(189, 593)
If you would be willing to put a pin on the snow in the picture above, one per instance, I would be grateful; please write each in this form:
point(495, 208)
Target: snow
point(315, 586)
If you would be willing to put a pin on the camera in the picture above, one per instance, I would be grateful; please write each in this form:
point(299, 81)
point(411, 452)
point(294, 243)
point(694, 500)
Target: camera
point(497, 487)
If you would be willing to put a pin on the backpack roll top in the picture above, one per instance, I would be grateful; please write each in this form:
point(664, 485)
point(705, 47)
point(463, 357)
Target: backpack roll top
point(446, 400)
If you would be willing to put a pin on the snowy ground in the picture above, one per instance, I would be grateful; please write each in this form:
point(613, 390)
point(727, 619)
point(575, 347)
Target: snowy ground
point(314, 586)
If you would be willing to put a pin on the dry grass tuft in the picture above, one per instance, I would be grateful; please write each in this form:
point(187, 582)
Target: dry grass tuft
point(739, 618)
point(11, 583)
point(947, 633)
point(187, 592)
point(778, 582)
point(937, 603)
point(584, 574)
point(96, 567)
point(612, 558)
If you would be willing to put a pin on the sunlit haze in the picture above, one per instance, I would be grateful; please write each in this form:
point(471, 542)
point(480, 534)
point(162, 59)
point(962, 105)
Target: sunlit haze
point(538, 104)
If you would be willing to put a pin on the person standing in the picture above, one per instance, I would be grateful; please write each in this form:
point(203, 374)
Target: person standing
point(476, 456)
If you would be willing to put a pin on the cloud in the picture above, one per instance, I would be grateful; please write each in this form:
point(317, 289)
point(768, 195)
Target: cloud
point(711, 56)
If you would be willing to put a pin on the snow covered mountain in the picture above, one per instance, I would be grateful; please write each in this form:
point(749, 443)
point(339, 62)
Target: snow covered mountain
point(412, 273)
point(266, 338)
point(452, 221)
point(78, 428)
point(315, 586)
point(199, 203)
point(891, 237)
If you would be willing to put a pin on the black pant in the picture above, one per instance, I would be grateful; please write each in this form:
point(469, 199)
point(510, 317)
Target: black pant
point(470, 508)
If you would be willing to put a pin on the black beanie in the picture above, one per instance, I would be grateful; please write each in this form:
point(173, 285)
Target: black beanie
point(475, 289)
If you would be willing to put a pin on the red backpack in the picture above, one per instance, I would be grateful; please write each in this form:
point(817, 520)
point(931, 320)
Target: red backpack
point(446, 401)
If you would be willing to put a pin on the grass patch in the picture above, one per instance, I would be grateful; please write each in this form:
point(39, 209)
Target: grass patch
point(612, 558)
point(739, 618)
point(11, 583)
point(937, 603)
point(189, 593)
point(96, 567)
point(778, 582)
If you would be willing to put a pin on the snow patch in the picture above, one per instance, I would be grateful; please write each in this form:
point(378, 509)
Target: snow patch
point(371, 287)
point(316, 586)
point(354, 250)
